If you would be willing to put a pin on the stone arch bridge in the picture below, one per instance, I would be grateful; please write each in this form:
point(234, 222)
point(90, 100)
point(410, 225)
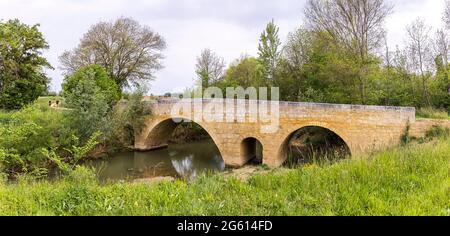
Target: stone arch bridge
point(363, 128)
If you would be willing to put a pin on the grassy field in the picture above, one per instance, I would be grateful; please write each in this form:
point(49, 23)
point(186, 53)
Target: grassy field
point(43, 101)
point(411, 180)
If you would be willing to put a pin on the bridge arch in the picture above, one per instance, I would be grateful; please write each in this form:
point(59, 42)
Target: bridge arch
point(159, 132)
point(252, 149)
point(311, 135)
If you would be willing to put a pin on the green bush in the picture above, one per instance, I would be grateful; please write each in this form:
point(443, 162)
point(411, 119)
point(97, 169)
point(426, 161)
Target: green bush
point(90, 96)
point(23, 134)
point(437, 132)
point(22, 79)
point(127, 118)
point(33, 138)
point(106, 86)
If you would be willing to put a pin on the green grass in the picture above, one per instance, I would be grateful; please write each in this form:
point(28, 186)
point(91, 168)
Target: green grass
point(432, 113)
point(411, 180)
point(43, 101)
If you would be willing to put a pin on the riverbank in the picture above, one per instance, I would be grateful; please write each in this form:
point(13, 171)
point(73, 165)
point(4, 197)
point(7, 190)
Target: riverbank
point(411, 180)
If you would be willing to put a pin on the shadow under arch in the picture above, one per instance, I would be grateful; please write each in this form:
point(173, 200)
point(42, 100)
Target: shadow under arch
point(313, 143)
point(252, 150)
point(160, 134)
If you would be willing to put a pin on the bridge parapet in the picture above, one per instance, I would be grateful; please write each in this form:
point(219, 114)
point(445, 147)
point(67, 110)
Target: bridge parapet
point(297, 109)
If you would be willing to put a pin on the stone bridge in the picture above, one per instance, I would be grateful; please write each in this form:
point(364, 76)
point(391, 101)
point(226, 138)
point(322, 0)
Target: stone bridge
point(363, 128)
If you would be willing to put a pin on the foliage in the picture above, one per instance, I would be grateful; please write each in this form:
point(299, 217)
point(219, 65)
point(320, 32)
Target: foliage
point(188, 132)
point(23, 134)
point(269, 50)
point(437, 132)
point(77, 153)
point(432, 113)
point(88, 108)
point(97, 74)
point(22, 79)
point(314, 66)
point(127, 118)
point(411, 180)
point(245, 72)
point(406, 137)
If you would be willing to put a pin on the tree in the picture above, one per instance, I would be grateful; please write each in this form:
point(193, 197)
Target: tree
point(420, 53)
point(331, 73)
point(209, 68)
point(22, 77)
point(296, 53)
point(269, 50)
point(127, 50)
point(99, 76)
point(357, 24)
point(128, 120)
point(245, 72)
point(298, 47)
point(446, 16)
point(89, 94)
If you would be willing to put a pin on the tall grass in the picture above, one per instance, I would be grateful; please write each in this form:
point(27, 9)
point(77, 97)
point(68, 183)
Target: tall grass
point(409, 180)
point(432, 113)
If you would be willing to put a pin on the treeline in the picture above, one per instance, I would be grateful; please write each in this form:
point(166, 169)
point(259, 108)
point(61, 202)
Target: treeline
point(111, 57)
point(340, 55)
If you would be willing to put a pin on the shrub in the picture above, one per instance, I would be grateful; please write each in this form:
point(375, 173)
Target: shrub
point(437, 132)
point(97, 74)
point(77, 153)
point(25, 133)
point(127, 118)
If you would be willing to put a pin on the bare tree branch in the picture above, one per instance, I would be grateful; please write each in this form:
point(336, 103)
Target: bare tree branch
point(128, 51)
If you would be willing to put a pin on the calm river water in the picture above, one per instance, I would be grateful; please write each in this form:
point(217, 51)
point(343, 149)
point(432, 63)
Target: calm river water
point(179, 160)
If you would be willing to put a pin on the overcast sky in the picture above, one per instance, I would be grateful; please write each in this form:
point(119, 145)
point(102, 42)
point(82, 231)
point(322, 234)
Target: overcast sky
point(229, 27)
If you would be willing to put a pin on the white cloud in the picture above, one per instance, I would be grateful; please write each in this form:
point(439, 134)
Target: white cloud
point(229, 27)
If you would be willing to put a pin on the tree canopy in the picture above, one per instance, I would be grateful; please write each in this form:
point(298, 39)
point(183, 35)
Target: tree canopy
point(99, 78)
point(22, 77)
point(130, 52)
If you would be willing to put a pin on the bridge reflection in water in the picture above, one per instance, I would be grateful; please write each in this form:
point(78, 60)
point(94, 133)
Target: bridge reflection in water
point(178, 160)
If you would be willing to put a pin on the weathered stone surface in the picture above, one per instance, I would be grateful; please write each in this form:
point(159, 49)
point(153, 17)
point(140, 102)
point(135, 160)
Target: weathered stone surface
point(421, 126)
point(363, 128)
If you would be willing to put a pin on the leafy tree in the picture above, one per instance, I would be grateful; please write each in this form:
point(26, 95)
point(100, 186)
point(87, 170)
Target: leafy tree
point(128, 118)
point(127, 50)
point(96, 74)
point(358, 25)
point(331, 71)
point(291, 68)
point(89, 107)
point(269, 50)
point(245, 72)
point(22, 79)
point(420, 53)
point(440, 86)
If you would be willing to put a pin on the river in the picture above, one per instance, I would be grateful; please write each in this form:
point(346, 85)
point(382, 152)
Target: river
point(178, 160)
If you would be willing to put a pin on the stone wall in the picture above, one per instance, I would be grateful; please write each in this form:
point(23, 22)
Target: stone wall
point(421, 126)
